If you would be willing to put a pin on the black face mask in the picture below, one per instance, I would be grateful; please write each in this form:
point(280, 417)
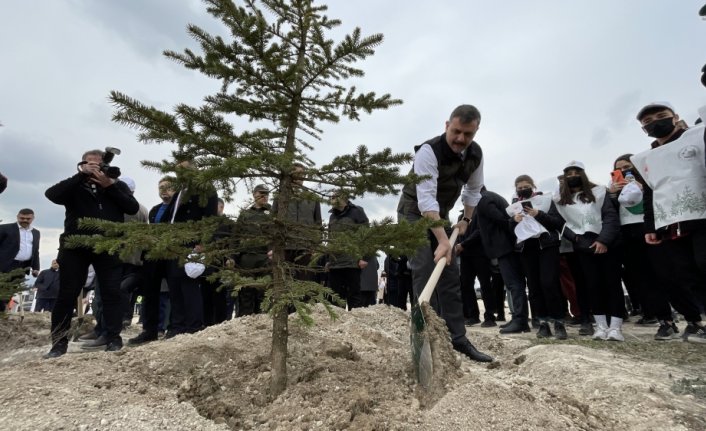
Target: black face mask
point(573, 181)
point(524, 193)
point(660, 128)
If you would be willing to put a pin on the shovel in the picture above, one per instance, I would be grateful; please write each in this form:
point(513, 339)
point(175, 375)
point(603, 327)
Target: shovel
point(419, 338)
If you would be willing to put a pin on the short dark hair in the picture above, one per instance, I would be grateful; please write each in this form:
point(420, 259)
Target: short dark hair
point(95, 152)
point(26, 211)
point(221, 201)
point(465, 114)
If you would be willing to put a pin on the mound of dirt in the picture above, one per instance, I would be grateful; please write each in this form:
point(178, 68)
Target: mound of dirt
point(352, 373)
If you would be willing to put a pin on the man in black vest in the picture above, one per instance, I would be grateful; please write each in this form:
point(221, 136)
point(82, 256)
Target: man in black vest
point(454, 163)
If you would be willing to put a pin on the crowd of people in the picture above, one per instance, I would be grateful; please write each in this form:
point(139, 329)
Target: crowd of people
point(562, 256)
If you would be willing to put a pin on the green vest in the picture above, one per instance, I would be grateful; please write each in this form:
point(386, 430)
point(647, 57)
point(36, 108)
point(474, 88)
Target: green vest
point(454, 172)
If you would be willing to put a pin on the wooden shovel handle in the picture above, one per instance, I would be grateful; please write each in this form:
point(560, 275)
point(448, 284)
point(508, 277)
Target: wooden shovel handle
point(438, 269)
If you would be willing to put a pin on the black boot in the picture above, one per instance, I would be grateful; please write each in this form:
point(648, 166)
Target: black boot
point(469, 350)
point(560, 331)
point(142, 338)
point(57, 349)
point(515, 327)
point(544, 331)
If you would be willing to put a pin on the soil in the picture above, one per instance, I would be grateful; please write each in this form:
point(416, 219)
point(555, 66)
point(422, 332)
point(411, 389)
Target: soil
point(354, 373)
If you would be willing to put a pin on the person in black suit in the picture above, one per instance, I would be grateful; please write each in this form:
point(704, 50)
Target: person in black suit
point(89, 193)
point(154, 271)
point(19, 246)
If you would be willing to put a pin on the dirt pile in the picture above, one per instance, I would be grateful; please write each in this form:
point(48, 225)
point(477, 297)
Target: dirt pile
point(353, 373)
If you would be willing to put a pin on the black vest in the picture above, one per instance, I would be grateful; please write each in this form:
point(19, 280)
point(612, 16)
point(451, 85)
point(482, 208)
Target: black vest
point(454, 172)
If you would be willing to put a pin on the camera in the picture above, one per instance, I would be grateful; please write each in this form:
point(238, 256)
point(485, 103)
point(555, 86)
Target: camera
point(110, 171)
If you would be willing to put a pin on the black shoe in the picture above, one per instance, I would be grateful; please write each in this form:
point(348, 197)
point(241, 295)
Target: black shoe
point(142, 338)
point(88, 337)
point(58, 349)
point(99, 343)
point(465, 347)
point(127, 323)
point(515, 327)
point(692, 328)
point(560, 331)
point(666, 331)
point(488, 323)
point(574, 321)
point(472, 321)
point(500, 318)
point(171, 334)
point(586, 329)
point(114, 345)
point(544, 331)
point(646, 321)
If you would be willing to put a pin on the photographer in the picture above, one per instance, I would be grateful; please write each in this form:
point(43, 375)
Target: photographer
point(94, 192)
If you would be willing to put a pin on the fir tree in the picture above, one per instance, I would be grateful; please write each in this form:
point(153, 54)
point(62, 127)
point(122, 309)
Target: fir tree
point(279, 71)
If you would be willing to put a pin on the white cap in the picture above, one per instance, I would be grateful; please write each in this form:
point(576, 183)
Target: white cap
point(575, 164)
point(666, 105)
point(130, 183)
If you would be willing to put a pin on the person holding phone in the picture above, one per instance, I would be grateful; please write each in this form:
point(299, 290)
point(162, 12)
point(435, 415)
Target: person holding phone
point(656, 282)
point(540, 257)
point(593, 228)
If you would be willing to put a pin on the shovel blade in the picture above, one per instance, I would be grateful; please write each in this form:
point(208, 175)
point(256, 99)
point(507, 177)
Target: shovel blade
point(421, 348)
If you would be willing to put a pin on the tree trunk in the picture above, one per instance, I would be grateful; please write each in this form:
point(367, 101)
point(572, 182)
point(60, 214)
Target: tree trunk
point(279, 352)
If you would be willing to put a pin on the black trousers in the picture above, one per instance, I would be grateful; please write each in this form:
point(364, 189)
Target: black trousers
point(541, 267)
point(640, 277)
point(346, 283)
point(688, 256)
point(472, 267)
point(153, 273)
point(602, 277)
point(186, 313)
point(405, 292)
point(74, 270)
point(214, 302)
point(511, 270)
point(131, 282)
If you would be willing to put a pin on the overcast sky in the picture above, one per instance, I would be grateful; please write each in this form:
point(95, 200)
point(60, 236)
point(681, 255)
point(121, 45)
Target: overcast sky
point(554, 80)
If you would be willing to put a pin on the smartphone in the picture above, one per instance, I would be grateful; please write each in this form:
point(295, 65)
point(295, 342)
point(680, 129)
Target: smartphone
point(617, 176)
point(526, 204)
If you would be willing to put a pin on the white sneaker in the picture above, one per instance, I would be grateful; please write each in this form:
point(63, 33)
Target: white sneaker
point(615, 334)
point(601, 332)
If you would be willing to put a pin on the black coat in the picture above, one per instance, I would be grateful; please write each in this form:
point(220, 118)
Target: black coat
point(495, 225)
point(81, 200)
point(47, 284)
point(10, 246)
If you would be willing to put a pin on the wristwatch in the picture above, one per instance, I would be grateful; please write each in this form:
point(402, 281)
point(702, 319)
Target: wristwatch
point(466, 219)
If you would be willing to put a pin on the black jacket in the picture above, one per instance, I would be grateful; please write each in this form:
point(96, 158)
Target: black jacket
point(47, 284)
point(471, 240)
point(495, 225)
point(345, 219)
point(82, 199)
point(10, 246)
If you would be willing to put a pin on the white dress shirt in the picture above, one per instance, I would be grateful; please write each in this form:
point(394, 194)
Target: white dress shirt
point(425, 163)
point(26, 240)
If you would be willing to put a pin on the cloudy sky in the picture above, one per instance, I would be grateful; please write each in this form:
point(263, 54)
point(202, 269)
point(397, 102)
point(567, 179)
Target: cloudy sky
point(555, 81)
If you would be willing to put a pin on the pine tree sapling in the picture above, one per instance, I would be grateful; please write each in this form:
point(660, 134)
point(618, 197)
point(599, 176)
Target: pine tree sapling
point(279, 71)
